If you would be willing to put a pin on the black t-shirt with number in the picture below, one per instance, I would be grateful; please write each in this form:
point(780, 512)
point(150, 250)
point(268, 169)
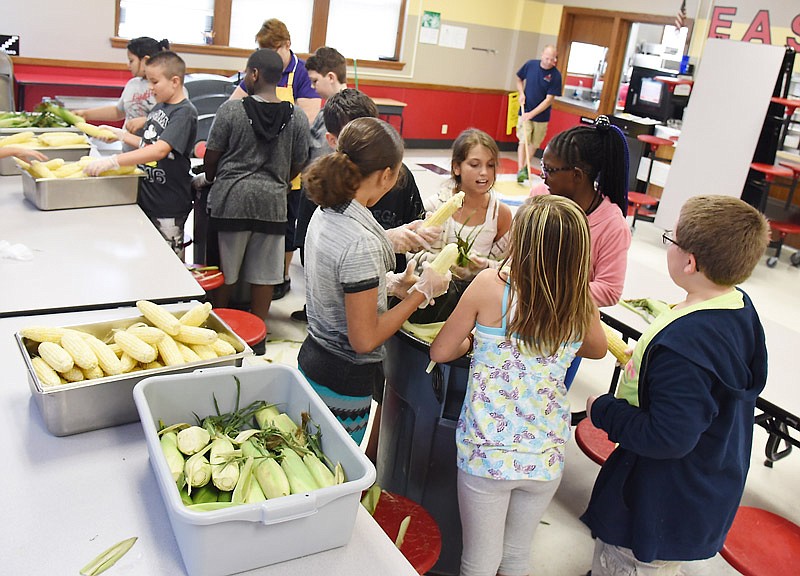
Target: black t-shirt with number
point(166, 190)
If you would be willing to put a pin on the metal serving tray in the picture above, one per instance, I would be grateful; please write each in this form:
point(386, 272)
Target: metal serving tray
point(69, 153)
point(66, 193)
point(12, 131)
point(93, 404)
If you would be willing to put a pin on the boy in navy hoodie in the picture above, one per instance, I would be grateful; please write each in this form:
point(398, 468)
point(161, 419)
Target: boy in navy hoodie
point(669, 492)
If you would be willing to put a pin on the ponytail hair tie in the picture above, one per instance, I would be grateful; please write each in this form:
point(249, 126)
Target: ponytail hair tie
point(602, 123)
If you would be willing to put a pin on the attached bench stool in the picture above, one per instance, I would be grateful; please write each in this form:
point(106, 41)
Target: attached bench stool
point(593, 441)
point(422, 543)
point(247, 326)
point(761, 543)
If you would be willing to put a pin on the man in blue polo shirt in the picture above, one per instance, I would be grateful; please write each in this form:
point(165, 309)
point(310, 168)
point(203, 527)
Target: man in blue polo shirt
point(538, 84)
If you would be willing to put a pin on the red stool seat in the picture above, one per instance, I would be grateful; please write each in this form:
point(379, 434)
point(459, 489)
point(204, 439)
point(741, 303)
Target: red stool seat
point(247, 326)
point(654, 141)
point(761, 543)
point(593, 442)
point(795, 168)
point(208, 279)
point(423, 540)
point(635, 201)
point(785, 228)
point(771, 171)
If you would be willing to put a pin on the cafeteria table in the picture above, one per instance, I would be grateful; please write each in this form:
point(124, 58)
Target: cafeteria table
point(72, 497)
point(388, 108)
point(85, 258)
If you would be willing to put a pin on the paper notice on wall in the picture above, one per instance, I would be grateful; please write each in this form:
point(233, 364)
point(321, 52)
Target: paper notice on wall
point(429, 31)
point(453, 37)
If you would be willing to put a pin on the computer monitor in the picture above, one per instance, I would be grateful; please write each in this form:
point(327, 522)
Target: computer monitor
point(647, 97)
point(650, 91)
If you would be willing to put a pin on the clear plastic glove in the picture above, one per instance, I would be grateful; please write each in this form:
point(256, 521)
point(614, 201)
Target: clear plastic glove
point(431, 284)
point(429, 234)
point(399, 284)
point(406, 239)
point(97, 167)
point(200, 181)
point(119, 133)
point(480, 263)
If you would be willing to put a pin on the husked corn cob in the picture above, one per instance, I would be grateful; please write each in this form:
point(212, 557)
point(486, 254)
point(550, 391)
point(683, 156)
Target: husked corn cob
point(44, 372)
point(154, 365)
point(203, 351)
point(58, 358)
point(17, 138)
point(42, 334)
point(38, 170)
point(114, 348)
point(106, 356)
point(193, 439)
point(444, 211)
point(196, 315)
point(93, 373)
point(222, 348)
point(617, 347)
point(135, 347)
point(95, 131)
point(149, 334)
point(237, 346)
point(55, 139)
point(446, 258)
point(77, 347)
point(67, 170)
point(196, 335)
point(127, 363)
point(74, 375)
point(54, 164)
point(300, 479)
point(188, 354)
point(168, 350)
point(159, 317)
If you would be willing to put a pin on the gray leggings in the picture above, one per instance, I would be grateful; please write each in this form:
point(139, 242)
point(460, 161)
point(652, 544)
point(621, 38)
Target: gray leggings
point(498, 519)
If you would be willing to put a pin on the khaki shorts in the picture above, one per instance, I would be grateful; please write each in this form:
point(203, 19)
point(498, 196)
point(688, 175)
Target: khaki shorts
point(533, 131)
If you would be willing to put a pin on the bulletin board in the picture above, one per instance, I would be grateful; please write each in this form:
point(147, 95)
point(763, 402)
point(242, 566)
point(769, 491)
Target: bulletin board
point(721, 124)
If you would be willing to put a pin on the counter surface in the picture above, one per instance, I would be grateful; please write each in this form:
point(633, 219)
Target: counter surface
point(84, 258)
point(74, 496)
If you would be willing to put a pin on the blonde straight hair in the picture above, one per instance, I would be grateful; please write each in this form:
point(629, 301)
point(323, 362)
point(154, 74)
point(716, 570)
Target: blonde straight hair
point(549, 260)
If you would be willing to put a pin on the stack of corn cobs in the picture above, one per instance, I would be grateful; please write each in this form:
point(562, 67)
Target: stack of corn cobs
point(246, 456)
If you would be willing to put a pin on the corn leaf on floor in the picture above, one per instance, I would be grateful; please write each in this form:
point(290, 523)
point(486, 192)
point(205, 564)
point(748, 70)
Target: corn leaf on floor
point(563, 545)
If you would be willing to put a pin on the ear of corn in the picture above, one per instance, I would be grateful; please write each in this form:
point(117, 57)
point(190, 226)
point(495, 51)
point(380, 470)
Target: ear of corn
point(106, 357)
point(154, 365)
point(54, 164)
point(242, 489)
point(235, 344)
point(77, 347)
point(61, 139)
point(74, 375)
point(188, 354)
point(159, 316)
point(203, 351)
point(197, 470)
point(17, 138)
point(617, 347)
point(271, 478)
point(42, 334)
point(195, 335)
point(38, 170)
point(44, 372)
point(222, 348)
point(92, 373)
point(149, 334)
point(446, 258)
point(193, 439)
point(58, 358)
point(197, 315)
point(67, 170)
point(168, 349)
point(322, 475)
point(175, 460)
point(135, 347)
point(265, 416)
point(300, 479)
point(254, 491)
point(127, 363)
point(445, 211)
point(94, 131)
point(224, 467)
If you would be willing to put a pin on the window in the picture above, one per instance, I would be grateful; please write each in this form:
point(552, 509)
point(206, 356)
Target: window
point(232, 24)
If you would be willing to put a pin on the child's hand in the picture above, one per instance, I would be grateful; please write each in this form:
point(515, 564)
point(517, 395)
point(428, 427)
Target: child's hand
point(27, 154)
point(135, 124)
point(589, 401)
point(429, 234)
point(431, 284)
point(200, 181)
point(399, 284)
point(119, 133)
point(407, 238)
point(97, 167)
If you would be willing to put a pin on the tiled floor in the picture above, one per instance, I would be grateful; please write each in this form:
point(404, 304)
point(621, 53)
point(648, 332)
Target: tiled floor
point(562, 545)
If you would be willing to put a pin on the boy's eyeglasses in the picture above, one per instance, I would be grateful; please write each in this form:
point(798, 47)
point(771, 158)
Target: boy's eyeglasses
point(666, 238)
point(546, 170)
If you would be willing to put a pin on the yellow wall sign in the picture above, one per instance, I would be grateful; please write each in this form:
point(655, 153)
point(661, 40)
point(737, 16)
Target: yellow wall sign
point(513, 112)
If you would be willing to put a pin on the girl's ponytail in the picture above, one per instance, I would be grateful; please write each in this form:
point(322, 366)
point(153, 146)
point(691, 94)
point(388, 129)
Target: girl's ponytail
point(613, 177)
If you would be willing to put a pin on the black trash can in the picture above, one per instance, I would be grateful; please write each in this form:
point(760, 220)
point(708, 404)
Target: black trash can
point(417, 450)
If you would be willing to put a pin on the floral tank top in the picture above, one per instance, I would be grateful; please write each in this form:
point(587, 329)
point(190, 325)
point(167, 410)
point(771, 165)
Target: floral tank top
point(515, 420)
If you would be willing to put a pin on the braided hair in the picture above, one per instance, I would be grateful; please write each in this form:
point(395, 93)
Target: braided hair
point(600, 150)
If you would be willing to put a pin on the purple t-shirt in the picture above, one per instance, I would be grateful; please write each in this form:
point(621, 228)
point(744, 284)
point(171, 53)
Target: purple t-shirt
point(301, 84)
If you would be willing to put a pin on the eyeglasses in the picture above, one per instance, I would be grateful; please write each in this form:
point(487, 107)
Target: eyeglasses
point(547, 170)
point(666, 238)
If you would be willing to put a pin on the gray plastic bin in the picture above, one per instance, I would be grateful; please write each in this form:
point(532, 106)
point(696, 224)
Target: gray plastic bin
point(417, 451)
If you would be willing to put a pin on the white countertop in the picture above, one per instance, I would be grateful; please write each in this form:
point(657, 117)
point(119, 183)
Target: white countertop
point(85, 258)
point(70, 498)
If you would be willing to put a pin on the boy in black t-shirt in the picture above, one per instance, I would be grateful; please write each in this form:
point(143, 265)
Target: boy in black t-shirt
point(163, 151)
